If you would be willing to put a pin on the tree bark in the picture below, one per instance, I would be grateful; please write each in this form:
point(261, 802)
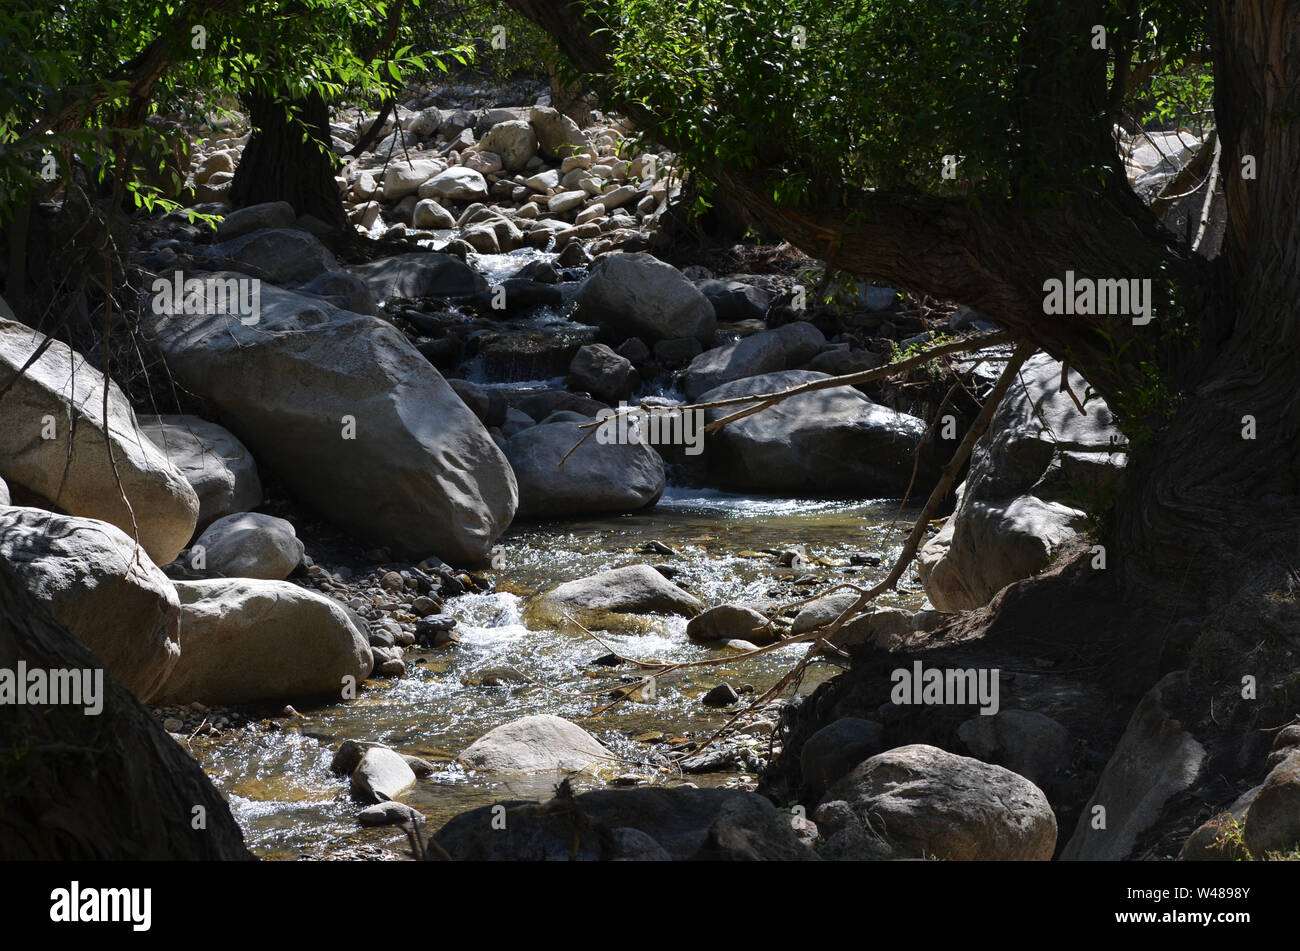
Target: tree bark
point(279, 165)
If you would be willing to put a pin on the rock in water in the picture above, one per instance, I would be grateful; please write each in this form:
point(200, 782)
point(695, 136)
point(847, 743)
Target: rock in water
point(922, 802)
point(633, 589)
point(131, 798)
point(250, 545)
point(597, 479)
point(639, 295)
point(540, 743)
point(216, 464)
point(330, 400)
point(68, 465)
point(827, 442)
point(381, 775)
point(244, 640)
point(98, 586)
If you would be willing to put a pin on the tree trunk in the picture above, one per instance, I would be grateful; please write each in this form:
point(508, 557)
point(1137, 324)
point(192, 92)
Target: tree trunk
point(279, 165)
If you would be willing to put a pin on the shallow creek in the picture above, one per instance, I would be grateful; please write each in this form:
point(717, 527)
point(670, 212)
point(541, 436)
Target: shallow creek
point(276, 772)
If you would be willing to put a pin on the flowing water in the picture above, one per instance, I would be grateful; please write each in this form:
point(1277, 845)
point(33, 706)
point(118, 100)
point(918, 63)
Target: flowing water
point(276, 771)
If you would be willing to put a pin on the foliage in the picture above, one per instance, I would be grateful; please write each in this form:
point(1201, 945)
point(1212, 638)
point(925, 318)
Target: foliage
point(54, 56)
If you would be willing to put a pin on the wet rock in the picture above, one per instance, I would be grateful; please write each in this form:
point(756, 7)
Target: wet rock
point(388, 813)
point(921, 802)
point(734, 300)
point(420, 274)
point(603, 373)
point(250, 545)
point(245, 640)
point(634, 589)
point(639, 295)
point(728, 621)
point(429, 214)
point(540, 743)
point(596, 479)
point(72, 470)
point(94, 582)
point(381, 775)
point(833, 442)
point(676, 352)
point(723, 695)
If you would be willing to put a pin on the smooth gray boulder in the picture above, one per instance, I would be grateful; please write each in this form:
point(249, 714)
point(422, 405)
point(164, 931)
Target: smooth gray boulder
point(1031, 477)
point(922, 802)
point(638, 295)
point(632, 589)
point(95, 582)
point(1025, 742)
point(598, 370)
point(277, 255)
point(514, 140)
point(354, 421)
point(249, 545)
point(785, 348)
point(826, 442)
point(381, 776)
point(55, 442)
point(1155, 760)
point(245, 640)
point(420, 274)
point(597, 479)
point(216, 464)
point(558, 136)
point(270, 214)
point(540, 743)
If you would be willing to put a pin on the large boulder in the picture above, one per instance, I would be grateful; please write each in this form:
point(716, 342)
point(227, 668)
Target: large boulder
point(782, 349)
point(112, 786)
point(598, 479)
point(268, 214)
point(245, 641)
point(638, 295)
point(540, 743)
point(681, 823)
point(922, 802)
point(56, 441)
point(1273, 820)
point(513, 140)
point(1030, 477)
point(603, 597)
point(278, 255)
point(558, 136)
point(1156, 759)
point(420, 274)
point(216, 464)
point(604, 374)
point(826, 442)
point(250, 545)
point(353, 419)
point(404, 177)
point(94, 582)
point(1025, 742)
point(457, 183)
